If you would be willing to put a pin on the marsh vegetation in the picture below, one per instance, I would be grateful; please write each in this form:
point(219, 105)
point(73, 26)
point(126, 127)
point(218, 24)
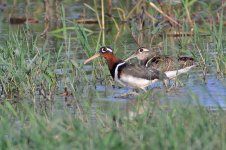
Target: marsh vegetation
point(50, 100)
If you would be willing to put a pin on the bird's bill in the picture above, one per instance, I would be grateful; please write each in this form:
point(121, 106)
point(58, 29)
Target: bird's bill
point(132, 56)
point(91, 58)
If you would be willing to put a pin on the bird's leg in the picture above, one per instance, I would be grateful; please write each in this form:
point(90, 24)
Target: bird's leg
point(142, 89)
point(176, 83)
point(126, 95)
point(166, 82)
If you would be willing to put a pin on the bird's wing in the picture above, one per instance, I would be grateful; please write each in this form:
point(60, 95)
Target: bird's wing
point(142, 72)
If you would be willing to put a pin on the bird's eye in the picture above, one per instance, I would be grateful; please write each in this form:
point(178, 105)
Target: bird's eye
point(141, 50)
point(103, 50)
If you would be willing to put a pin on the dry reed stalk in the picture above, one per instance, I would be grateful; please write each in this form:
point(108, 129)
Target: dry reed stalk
point(134, 8)
point(102, 14)
point(189, 18)
point(165, 15)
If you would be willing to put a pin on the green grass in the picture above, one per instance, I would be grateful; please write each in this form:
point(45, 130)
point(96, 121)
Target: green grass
point(24, 65)
point(158, 127)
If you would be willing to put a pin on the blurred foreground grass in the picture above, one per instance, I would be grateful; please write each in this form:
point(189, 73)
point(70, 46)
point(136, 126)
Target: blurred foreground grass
point(174, 127)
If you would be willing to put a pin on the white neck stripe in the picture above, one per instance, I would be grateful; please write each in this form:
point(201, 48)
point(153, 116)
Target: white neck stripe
point(116, 72)
point(116, 69)
point(146, 65)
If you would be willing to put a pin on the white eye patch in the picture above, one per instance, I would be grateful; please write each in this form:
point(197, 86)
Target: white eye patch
point(105, 49)
point(141, 50)
point(109, 49)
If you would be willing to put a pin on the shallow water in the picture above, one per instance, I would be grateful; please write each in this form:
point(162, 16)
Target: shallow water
point(192, 91)
point(209, 94)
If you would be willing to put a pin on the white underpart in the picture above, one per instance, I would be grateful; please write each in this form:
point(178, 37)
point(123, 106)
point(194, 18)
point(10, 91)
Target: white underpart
point(174, 73)
point(135, 82)
point(131, 81)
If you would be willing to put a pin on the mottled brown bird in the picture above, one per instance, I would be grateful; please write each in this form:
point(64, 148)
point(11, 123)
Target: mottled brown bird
point(171, 66)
